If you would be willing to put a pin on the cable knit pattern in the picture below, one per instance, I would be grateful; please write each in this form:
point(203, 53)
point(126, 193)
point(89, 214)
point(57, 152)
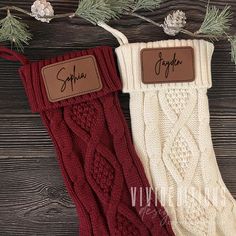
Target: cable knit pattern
point(171, 133)
point(95, 152)
point(103, 173)
point(100, 162)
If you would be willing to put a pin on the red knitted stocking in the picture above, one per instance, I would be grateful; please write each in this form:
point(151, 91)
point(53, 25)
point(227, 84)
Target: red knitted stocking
point(95, 152)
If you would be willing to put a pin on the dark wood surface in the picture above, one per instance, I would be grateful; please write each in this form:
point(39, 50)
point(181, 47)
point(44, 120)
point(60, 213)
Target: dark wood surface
point(33, 199)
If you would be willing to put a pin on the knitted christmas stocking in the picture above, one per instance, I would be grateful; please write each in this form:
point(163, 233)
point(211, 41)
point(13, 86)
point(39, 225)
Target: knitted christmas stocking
point(93, 145)
point(171, 133)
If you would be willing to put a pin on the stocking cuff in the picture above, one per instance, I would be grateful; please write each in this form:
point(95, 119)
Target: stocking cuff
point(35, 88)
point(129, 59)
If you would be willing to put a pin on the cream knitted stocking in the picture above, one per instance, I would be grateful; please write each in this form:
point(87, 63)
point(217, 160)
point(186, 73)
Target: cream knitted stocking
point(171, 133)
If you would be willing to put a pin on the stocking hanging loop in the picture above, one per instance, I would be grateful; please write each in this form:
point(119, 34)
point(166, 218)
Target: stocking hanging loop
point(122, 39)
point(11, 55)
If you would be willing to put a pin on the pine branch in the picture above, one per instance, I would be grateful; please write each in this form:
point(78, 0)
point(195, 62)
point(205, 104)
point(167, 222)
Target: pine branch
point(215, 26)
point(121, 6)
point(216, 22)
point(95, 10)
point(145, 5)
point(14, 31)
point(16, 9)
point(100, 10)
point(143, 18)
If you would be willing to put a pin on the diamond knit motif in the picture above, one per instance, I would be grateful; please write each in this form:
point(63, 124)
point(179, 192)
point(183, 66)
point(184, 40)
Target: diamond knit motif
point(183, 153)
point(177, 99)
point(196, 216)
point(84, 115)
point(103, 173)
point(180, 155)
point(125, 227)
point(180, 149)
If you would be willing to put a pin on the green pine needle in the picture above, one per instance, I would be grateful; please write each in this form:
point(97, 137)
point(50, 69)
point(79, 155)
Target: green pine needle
point(217, 22)
point(145, 5)
point(95, 10)
point(121, 6)
point(14, 31)
point(233, 48)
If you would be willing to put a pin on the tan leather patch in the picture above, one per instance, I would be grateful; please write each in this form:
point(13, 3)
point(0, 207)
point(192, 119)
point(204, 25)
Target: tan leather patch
point(71, 78)
point(167, 65)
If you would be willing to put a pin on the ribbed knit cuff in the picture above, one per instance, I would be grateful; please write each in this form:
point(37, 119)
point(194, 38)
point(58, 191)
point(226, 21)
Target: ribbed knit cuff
point(35, 88)
point(129, 60)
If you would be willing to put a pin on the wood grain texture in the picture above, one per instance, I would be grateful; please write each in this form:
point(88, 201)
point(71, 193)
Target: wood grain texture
point(33, 200)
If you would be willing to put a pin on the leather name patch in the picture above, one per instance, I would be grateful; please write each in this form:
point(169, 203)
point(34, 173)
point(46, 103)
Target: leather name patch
point(167, 65)
point(71, 78)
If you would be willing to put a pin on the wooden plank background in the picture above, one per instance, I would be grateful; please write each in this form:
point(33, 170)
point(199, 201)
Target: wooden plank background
point(33, 199)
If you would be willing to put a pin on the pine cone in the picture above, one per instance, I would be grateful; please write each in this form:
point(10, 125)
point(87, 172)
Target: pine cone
point(41, 9)
point(174, 23)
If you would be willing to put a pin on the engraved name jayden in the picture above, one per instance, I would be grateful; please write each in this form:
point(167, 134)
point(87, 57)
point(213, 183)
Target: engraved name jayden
point(71, 79)
point(166, 65)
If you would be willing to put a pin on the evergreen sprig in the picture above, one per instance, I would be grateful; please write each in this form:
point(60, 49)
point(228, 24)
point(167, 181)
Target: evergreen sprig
point(216, 22)
point(14, 31)
point(95, 10)
point(121, 6)
point(215, 26)
point(145, 5)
